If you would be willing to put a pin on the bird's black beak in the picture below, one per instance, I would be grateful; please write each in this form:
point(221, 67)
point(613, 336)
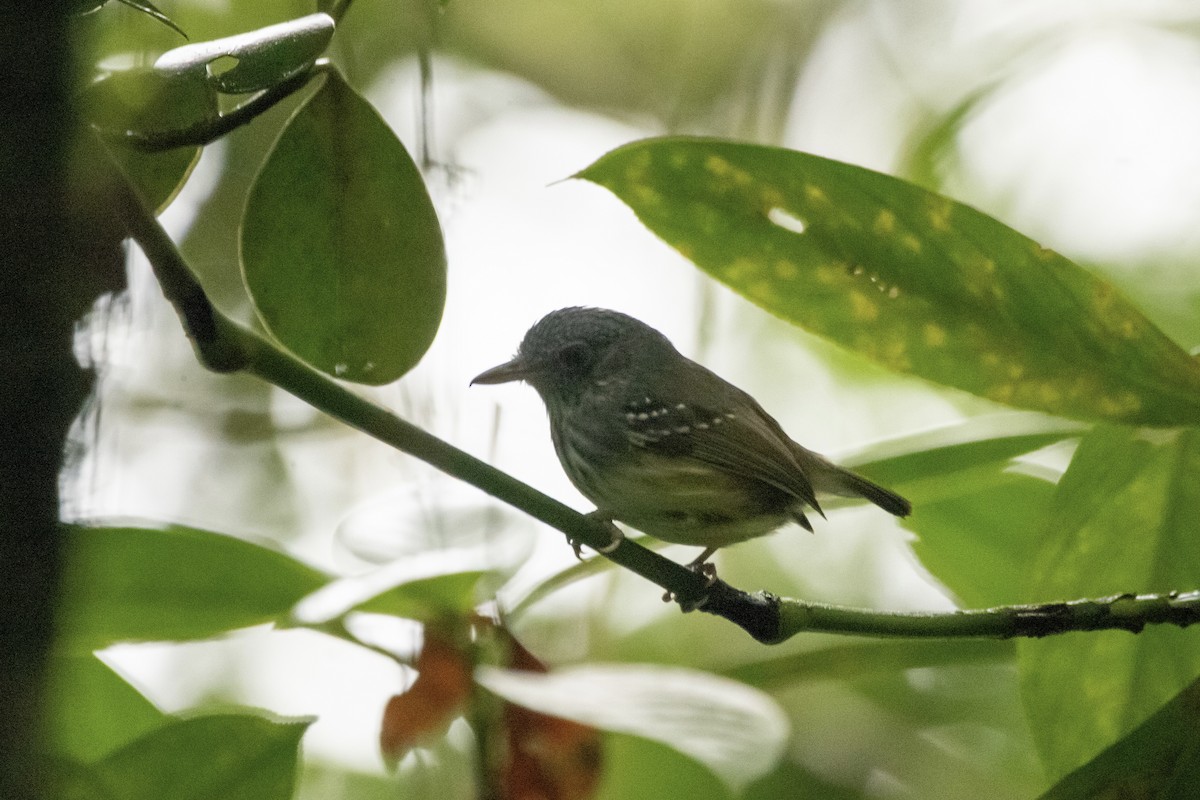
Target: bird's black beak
point(515, 370)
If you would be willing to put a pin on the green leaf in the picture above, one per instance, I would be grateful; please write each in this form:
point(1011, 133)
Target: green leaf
point(341, 248)
point(637, 767)
point(142, 103)
point(404, 588)
point(924, 466)
point(429, 598)
point(1123, 519)
point(90, 710)
point(978, 542)
point(159, 177)
point(146, 102)
point(1159, 760)
point(220, 757)
point(907, 277)
point(737, 732)
point(146, 8)
point(846, 662)
point(136, 584)
point(932, 145)
point(976, 513)
point(260, 59)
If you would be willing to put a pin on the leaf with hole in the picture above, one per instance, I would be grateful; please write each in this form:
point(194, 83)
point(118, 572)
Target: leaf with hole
point(260, 59)
point(909, 278)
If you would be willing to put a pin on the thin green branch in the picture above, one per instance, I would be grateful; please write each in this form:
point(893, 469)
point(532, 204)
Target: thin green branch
point(1125, 612)
point(208, 131)
point(223, 346)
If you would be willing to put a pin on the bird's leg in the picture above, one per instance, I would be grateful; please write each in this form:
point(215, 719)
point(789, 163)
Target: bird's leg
point(700, 564)
point(615, 535)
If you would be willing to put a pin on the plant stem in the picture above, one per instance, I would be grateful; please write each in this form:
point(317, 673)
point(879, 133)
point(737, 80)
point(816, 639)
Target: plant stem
point(1119, 612)
point(209, 131)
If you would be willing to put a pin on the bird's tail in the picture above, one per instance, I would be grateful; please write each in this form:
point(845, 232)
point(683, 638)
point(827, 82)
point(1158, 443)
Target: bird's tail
point(851, 484)
point(830, 478)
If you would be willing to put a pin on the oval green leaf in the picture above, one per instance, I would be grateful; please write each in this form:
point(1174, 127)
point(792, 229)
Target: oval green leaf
point(133, 105)
point(158, 177)
point(262, 58)
point(399, 591)
point(1123, 519)
point(139, 103)
point(90, 711)
point(909, 278)
point(429, 598)
point(341, 248)
point(135, 584)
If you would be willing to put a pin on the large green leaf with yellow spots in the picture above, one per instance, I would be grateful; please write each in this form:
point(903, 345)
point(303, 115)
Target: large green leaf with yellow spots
point(910, 278)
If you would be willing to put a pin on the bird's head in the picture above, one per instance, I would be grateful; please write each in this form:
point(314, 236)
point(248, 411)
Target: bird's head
point(572, 348)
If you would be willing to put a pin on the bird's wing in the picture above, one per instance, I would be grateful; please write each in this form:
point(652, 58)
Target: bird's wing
point(738, 437)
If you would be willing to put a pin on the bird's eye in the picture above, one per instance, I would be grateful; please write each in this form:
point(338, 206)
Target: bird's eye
point(574, 357)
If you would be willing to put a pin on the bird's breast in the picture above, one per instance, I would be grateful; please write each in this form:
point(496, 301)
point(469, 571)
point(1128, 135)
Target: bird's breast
point(674, 498)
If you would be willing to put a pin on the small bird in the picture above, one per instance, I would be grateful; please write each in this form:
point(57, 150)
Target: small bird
point(663, 444)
